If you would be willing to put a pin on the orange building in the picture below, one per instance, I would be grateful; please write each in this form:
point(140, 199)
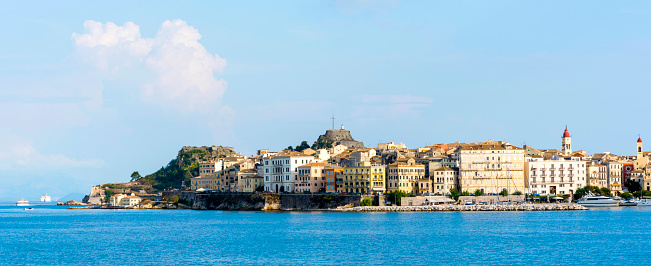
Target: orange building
point(331, 175)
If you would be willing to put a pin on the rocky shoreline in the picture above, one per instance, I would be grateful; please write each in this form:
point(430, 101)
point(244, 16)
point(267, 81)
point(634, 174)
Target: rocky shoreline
point(469, 208)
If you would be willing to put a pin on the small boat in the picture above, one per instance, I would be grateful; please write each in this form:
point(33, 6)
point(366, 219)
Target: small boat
point(46, 198)
point(597, 201)
point(28, 209)
point(629, 202)
point(22, 202)
point(644, 202)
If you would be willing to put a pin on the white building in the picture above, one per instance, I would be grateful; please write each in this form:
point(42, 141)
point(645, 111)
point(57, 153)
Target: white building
point(280, 171)
point(490, 167)
point(554, 177)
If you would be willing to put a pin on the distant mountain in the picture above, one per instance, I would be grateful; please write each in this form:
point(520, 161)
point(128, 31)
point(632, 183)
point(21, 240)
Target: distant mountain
point(72, 196)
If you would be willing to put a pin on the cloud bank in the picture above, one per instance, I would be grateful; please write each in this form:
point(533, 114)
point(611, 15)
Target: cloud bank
point(17, 153)
point(178, 71)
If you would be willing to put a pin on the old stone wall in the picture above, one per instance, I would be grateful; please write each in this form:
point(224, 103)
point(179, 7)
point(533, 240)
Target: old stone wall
point(263, 201)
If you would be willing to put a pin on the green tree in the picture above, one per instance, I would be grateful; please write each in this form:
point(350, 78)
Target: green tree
point(173, 199)
point(605, 191)
point(454, 193)
point(642, 193)
point(259, 188)
point(465, 193)
point(478, 192)
point(632, 185)
point(135, 176)
point(504, 192)
point(580, 192)
point(290, 148)
point(517, 192)
point(366, 202)
point(302, 146)
point(396, 196)
point(107, 194)
point(626, 195)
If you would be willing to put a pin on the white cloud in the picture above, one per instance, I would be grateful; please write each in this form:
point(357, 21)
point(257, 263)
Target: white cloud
point(177, 69)
point(16, 153)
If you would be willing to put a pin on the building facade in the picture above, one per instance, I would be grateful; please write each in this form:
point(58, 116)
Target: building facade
point(332, 174)
point(490, 167)
point(281, 170)
point(363, 178)
point(404, 176)
point(554, 177)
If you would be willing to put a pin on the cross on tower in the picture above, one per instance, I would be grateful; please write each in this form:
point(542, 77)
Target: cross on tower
point(333, 122)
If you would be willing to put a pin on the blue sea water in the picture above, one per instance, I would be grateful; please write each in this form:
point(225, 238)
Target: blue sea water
point(54, 235)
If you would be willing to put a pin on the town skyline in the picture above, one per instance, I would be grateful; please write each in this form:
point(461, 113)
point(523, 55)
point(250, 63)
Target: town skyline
point(91, 93)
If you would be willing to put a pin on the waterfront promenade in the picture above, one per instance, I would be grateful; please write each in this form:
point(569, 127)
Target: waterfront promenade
point(454, 207)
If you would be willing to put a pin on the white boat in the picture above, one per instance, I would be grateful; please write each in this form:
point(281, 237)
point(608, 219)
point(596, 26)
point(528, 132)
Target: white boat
point(46, 198)
point(644, 202)
point(597, 201)
point(22, 202)
point(629, 202)
point(28, 209)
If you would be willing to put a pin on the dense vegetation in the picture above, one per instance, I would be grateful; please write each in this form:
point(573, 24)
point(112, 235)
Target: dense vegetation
point(366, 202)
point(632, 186)
point(171, 176)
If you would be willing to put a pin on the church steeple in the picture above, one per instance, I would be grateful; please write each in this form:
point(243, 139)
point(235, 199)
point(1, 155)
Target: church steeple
point(639, 148)
point(566, 143)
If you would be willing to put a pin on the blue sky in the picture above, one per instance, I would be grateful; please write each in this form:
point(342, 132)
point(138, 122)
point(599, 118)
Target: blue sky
point(90, 92)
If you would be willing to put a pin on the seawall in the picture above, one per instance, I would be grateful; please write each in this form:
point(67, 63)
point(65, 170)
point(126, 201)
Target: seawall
point(264, 201)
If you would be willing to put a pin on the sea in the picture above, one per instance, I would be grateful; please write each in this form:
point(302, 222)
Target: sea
point(55, 235)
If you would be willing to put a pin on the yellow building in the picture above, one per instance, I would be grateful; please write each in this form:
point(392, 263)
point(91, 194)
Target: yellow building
point(212, 181)
point(249, 184)
point(364, 178)
point(404, 176)
point(491, 167)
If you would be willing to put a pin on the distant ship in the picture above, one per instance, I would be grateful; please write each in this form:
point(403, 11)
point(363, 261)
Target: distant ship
point(22, 202)
point(46, 198)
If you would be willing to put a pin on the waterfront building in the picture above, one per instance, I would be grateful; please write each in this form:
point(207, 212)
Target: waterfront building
point(115, 199)
point(332, 174)
point(436, 162)
point(311, 178)
point(491, 167)
point(239, 180)
point(250, 183)
point(614, 177)
point(596, 174)
point(130, 201)
point(404, 176)
point(124, 200)
point(554, 177)
point(364, 178)
point(440, 181)
point(212, 182)
point(281, 170)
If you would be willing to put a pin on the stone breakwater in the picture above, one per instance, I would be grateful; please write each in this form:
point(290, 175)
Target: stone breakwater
point(470, 208)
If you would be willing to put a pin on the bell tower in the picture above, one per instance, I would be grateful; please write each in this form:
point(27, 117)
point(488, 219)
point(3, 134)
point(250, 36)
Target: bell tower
point(567, 143)
point(639, 148)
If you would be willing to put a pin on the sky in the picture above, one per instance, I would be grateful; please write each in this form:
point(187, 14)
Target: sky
point(92, 91)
